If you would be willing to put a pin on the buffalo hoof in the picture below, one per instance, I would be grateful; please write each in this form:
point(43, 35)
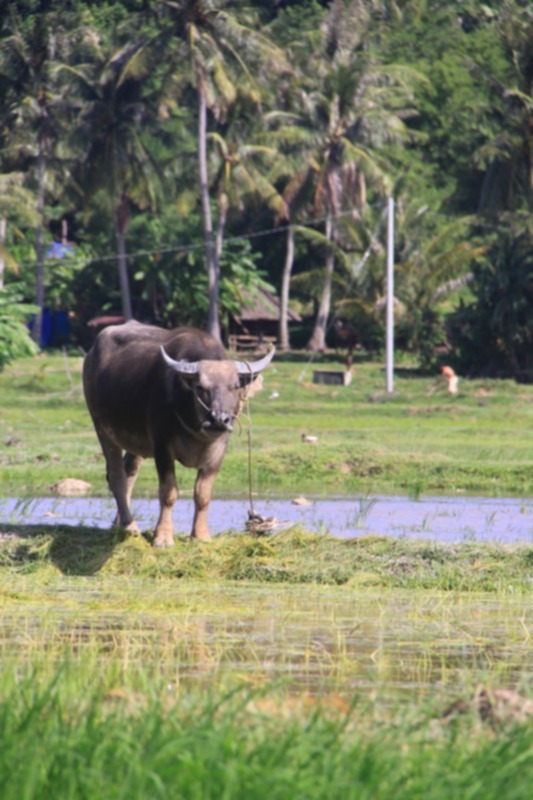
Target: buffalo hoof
point(131, 527)
point(201, 537)
point(163, 542)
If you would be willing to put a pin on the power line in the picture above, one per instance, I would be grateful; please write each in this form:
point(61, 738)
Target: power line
point(306, 223)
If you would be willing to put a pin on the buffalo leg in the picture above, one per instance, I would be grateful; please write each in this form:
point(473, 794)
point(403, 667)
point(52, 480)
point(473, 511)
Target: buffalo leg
point(203, 488)
point(168, 494)
point(132, 464)
point(118, 483)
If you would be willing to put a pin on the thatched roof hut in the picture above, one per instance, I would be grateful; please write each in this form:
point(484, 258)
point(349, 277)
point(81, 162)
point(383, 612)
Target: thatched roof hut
point(258, 319)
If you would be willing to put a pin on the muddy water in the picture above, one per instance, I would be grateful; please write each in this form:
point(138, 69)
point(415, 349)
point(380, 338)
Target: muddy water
point(444, 519)
point(313, 639)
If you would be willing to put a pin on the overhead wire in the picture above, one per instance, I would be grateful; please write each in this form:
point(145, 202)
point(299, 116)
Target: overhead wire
point(187, 248)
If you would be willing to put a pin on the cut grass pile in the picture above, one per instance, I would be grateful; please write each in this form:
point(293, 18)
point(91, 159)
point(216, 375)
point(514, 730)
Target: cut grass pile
point(291, 556)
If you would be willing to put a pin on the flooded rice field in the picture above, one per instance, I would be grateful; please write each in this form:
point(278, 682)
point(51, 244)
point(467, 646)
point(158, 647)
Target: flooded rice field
point(310, 639)
point(443, 519)
point(315, 639)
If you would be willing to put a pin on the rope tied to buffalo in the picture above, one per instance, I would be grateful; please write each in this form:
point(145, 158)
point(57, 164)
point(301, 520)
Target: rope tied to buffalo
point(256, 523)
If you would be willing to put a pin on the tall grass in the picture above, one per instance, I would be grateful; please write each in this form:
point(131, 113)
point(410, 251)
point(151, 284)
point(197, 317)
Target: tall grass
point(66, 736)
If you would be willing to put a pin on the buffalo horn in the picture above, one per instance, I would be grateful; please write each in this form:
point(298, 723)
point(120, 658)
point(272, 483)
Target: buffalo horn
point(183, 367)
point(243, 367)
point(255, 367)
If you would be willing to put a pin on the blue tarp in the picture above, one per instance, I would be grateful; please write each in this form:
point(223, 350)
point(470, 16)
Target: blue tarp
point(55, 328)
point(59, 250)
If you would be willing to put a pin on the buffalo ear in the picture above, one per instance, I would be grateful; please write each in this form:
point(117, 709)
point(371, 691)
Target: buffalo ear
point(250, 388)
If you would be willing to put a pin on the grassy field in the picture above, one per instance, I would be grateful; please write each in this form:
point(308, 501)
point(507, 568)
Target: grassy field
point(292, 666)
point(418, 441)
point(125, 686)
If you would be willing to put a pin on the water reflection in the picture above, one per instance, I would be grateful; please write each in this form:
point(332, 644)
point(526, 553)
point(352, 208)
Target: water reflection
point(315, 639)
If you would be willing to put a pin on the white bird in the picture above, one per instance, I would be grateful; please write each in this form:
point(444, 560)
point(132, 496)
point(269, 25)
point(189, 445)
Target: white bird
point(311, 439)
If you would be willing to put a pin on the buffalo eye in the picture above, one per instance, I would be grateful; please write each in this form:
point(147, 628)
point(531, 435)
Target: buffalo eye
point(202, 393)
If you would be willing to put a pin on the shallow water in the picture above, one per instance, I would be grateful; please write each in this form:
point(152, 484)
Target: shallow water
point(443, 519)
point(312, 639)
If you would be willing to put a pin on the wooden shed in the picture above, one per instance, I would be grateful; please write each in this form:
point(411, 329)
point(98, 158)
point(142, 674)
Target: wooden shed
point(257, 322)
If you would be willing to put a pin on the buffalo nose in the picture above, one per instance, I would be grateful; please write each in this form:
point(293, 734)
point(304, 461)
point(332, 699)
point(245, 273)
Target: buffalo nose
point(222, 420)
point(226, 421)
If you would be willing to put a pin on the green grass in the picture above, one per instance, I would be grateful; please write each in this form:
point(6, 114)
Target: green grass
point(417, 441)
point(291, 556)
point(131, 686)
point(292, 666)
point(63, 737)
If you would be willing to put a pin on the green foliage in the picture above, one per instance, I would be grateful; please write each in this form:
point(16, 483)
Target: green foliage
point(172, 286)
point(430, 98)
point(15, 340)
point(493, 335)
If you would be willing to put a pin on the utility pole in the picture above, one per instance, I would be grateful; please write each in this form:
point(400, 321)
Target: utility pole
point(389, 348)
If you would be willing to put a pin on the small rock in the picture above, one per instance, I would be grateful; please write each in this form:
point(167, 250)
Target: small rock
point(301, 501)
point(71, 487)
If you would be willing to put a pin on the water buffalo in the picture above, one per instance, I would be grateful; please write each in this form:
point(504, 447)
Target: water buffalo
point(167, 395)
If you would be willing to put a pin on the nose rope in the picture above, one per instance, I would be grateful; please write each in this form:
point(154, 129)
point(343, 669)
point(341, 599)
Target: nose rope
point(199, 399)
point(251, 513)
point(210, 410)
point(256, 523)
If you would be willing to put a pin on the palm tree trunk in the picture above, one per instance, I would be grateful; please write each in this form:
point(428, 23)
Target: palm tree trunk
point(317, 342)
point(221, 226)
point(120, 235)
point(3, 230)
point(285, 287)
point(213, 324)
point(39, 247)
point(122, 216)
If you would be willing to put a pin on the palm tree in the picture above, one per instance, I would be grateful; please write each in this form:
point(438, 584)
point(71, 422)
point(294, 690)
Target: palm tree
point(116, 163)
point(354, 106)
point(217, 48)
point(34, 111)
point(508, 183)
point(434, 262)
point(241, 176)
point(17, 206)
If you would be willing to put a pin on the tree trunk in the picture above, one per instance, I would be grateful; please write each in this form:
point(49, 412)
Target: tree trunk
point(39, 248)
point(213, 323)
point(222, 205)
point(121, 224)
point(284, 342)
point(3, 229)
point(317, 342)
